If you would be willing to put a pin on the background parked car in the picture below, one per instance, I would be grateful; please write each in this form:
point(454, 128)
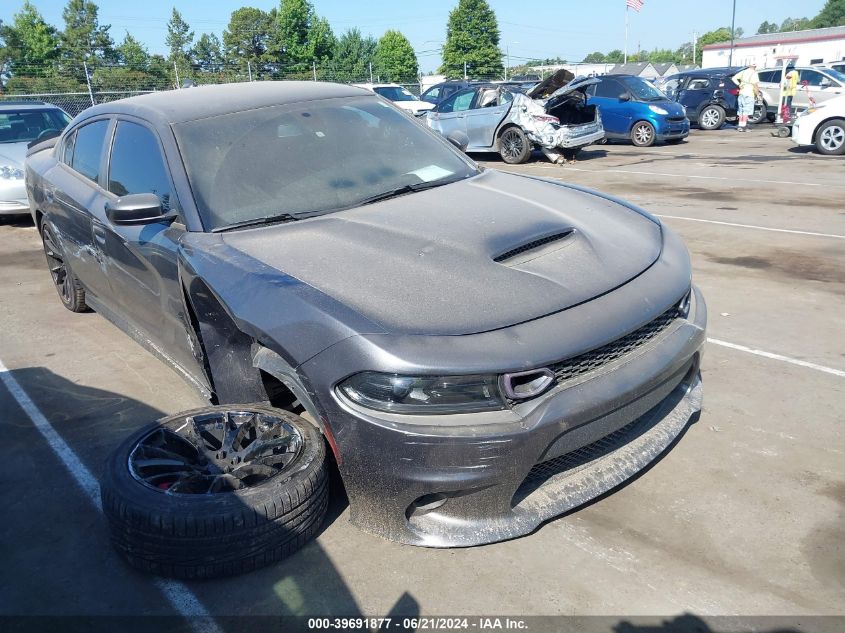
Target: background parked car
point(634, 110)
point(821, 84)
point(823, 127)
point(401, 96)
point(444, 90)
point(22, 122)
point(709, 96)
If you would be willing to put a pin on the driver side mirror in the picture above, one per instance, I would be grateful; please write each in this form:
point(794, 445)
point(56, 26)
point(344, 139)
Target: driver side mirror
point(137, 208)
point(625, 96)
point(458, 139)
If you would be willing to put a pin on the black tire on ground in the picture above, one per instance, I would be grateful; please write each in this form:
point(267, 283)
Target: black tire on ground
point(830, 137)
point(514, 146)
point(761, 113)
point(675, 141)
point(642, 134)
point(712, 117)
point(241, 522)
point(66, 283)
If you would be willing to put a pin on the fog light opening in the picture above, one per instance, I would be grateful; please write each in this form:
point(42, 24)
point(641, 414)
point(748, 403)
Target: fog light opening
point(425, 504)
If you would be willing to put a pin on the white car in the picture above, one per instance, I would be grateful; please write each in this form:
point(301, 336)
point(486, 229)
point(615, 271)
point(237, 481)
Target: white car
point(822, 126)
point(401, 96)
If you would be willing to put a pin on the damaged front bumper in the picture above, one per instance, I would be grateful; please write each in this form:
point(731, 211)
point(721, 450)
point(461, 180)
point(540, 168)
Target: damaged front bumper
point(496, 476)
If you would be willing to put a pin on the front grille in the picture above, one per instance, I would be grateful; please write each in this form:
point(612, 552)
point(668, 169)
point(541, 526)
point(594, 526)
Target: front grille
point(601, 356)
point(677, 119)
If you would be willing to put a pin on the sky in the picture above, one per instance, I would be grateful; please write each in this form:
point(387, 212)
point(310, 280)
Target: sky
point(569, 29)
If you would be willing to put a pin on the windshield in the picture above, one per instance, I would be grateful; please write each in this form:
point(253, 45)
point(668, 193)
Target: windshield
point(309, 158)
point(642, 90)
point(395, 93)
point(23, 126)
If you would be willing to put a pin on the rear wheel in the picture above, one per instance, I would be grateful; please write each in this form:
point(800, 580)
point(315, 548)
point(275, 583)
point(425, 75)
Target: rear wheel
point(514, 146)
point(642, 134)
point(830, 138)
point(712, 117)
point(65, 281)
point(760, 113)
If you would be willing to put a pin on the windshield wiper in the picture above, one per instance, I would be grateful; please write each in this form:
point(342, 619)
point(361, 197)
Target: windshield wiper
point(399, 191)
point(272, 219)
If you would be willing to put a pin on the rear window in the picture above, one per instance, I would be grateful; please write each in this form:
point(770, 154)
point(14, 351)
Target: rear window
point(89, 149)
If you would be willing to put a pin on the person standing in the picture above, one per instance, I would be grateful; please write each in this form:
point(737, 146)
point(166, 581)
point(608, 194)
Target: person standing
point(749, 88)
point(790, 86)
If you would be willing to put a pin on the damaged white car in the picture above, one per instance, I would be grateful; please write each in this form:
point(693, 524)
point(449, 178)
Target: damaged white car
point(553, 116)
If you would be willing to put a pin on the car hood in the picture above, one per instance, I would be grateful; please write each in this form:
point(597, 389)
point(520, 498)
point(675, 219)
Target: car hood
point(414, 106)
point(473, 256)
point(12, 154)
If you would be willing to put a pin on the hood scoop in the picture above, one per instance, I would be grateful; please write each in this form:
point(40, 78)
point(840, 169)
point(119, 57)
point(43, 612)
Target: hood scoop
point(533, 249)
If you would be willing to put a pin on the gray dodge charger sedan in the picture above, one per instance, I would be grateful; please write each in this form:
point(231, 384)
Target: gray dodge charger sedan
point(481, 351)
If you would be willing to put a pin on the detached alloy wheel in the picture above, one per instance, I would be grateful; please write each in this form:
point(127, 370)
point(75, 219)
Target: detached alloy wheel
point(642, 134)
point(760, 113)
point(830, 138)
point(711, 118)
point(216, 491)
point(66, 283)
point(514, 146)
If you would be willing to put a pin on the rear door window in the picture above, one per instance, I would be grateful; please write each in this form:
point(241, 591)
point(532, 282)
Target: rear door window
point(769, 76)
point(137, 165)
point(812, 77)
point(609, 88)
point(88, 149)
point(698, 83)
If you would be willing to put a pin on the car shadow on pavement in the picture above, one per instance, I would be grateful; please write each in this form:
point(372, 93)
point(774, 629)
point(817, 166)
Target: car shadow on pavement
point(689, 623)
point(63, 564)
point(19, 220)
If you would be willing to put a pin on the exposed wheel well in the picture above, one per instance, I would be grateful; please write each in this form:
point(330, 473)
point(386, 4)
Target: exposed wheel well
point(39, 219)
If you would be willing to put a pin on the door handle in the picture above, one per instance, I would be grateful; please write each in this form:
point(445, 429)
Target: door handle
point(99, 235)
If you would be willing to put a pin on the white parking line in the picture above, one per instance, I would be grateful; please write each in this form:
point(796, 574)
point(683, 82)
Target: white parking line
point(180, 597)
point(780, 357)
point(752, 226)
point(667, 175)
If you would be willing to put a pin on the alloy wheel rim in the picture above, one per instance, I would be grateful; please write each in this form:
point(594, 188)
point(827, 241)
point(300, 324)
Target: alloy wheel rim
point(710, 117)
point(215, 453)
point(833, 138)
point(58, 268)
point(643, 133)
point(512, 144)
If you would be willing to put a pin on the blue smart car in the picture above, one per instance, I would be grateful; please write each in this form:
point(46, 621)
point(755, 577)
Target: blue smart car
point(633, 109)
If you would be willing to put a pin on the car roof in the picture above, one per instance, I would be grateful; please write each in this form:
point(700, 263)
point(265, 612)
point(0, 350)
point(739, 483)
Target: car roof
point(200, 102)
point(26, 105)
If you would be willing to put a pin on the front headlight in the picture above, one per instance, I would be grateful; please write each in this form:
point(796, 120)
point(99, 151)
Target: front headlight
point(658, 110)
point(8, 172)
point(423, 395)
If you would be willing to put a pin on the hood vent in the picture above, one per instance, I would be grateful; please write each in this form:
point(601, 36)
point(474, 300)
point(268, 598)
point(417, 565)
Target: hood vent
point(530, 246)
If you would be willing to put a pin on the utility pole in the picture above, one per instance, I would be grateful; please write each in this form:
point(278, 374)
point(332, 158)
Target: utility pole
point(176, 72)
point(249, 69)
point(694, 42)
point(371, 72)
point(733, 23)
point(465, 71)
point(88, 81)
point(626, 35)
point(314, 69)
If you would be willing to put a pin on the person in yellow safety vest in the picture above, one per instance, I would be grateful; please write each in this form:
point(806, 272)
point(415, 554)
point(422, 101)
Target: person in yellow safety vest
point(790, 87)
point(749, 87)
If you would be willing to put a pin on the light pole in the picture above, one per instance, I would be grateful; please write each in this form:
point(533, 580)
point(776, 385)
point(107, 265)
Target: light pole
point(508, 54)
point(733, 23)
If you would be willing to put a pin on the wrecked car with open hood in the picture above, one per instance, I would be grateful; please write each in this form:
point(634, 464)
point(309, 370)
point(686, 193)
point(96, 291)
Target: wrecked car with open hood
point(554, 116)
point(480, 351)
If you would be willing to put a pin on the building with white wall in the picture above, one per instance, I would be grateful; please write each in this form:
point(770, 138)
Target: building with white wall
point(814, 46)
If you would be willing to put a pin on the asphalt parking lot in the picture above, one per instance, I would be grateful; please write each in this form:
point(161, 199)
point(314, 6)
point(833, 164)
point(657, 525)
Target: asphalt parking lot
point(744, 516)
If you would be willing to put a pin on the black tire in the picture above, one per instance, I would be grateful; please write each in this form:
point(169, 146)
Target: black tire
point(761, 113)
point(514, 146)
point(223, 533)
point(830, 137)
point(711, 117)
point(642, 134)
point(66, 283)
point(675, 141)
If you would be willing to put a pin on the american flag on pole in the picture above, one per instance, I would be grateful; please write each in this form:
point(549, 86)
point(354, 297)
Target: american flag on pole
point(636, 5)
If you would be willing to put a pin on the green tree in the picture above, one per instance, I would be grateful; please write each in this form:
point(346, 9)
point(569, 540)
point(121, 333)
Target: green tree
point(615, 56)
point(832, 14)
point(207, 53)
point(352, 57)
point(132, 54)
point(83, 38)
point(179, 37)
point(395, 59)
point(31, 45)
point(472, 38)
point(711, 37)
point(247, 37)
point(794, 24)
point(594, 58)
point(767, 27)
point(301, 36)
